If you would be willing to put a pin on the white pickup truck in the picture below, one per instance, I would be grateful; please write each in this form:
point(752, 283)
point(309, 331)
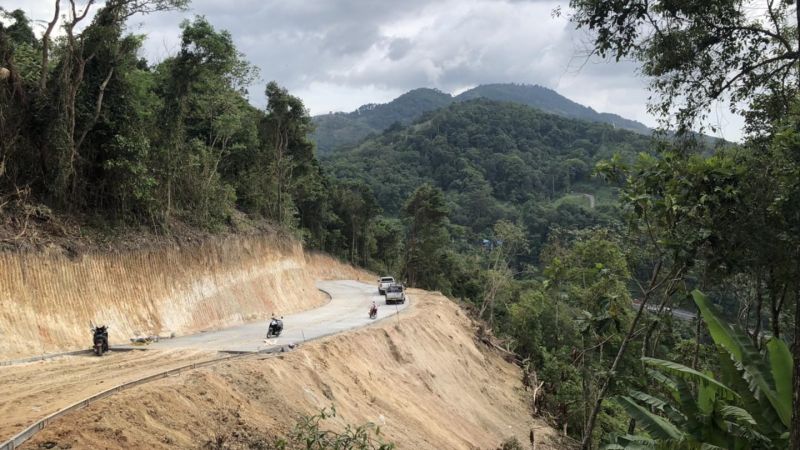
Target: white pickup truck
point(395, 293)
point(384, 283)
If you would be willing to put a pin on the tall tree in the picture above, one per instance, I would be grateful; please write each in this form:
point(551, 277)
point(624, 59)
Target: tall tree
point(285, 131)
point(428, 237)
point(206, 115)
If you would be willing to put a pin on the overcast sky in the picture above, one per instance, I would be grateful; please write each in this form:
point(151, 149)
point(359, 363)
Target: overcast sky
point(339, 54)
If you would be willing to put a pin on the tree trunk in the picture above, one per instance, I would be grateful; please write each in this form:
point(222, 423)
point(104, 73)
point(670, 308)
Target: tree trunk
point(755, 335)
point(586, 443)
point(776, 305)
point(46, 47)
point(795, 438)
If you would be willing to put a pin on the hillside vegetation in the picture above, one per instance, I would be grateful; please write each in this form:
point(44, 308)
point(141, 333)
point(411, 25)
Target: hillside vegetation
point(335, 130)
point(94, 136)
point(493, 160)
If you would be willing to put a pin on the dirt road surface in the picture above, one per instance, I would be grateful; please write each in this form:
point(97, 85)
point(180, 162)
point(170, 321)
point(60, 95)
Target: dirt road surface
point(31, 391)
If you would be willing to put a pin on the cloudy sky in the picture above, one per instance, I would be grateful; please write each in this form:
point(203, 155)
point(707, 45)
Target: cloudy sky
point(339, 54)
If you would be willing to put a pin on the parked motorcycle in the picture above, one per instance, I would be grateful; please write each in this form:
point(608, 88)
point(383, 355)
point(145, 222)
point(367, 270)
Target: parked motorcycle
point(275, 327)
point(100, 340)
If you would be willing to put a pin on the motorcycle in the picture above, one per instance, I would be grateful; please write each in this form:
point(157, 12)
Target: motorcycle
point(373, 312)
point(275, 328)
point(100, 339)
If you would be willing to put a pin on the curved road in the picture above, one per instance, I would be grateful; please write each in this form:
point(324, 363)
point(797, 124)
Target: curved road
point(32, 391)
point(348, 309)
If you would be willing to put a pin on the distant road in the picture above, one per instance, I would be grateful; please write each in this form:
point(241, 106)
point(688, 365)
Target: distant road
point(348, 309)
point(591, 200)
point(683, 314)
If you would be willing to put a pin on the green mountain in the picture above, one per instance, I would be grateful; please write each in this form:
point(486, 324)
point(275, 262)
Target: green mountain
point(344, 129)
point(494, 160)
point(549, 101)
point(340, 129)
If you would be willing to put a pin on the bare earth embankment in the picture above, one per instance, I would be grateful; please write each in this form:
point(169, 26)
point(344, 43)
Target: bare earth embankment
point(423, 379)
point(48, 299)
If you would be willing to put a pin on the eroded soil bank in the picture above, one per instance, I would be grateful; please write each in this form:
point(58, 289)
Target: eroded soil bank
point(49, 299)
point(423, 378)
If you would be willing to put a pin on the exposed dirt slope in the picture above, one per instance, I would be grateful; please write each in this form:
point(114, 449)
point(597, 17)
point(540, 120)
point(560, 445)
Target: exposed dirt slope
point(47, 300)
point(29, 392)
point(423, 379)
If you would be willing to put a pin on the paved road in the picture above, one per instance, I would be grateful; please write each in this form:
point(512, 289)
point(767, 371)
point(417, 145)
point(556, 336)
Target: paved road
point(348, 309)
point(683, 314)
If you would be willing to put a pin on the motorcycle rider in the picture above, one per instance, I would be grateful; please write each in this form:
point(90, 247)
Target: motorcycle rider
point(275, 325)
point(373, 310)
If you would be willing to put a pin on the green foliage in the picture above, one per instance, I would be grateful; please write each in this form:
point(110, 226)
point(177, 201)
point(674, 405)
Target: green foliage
point(428, 239)
point(746, 406)
point(336, 130)
point(696, 53)
point(569, 326)
point(101, 133)
point(493, 161)
point(309, 435)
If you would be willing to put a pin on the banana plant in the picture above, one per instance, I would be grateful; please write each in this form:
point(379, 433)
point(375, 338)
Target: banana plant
point(747, 405)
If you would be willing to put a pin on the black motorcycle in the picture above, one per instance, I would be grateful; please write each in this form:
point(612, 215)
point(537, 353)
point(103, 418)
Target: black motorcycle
point(275, 328)
point(100, 339)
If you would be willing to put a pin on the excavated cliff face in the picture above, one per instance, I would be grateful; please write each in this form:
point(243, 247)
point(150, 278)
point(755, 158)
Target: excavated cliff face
point(48, 300)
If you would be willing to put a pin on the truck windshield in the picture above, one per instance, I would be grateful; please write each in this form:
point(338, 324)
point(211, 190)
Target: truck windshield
point(387, 280)
point(395, 289)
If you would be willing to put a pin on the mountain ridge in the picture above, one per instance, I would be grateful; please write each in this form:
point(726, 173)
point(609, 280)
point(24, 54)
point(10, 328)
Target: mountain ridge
point(342, 129)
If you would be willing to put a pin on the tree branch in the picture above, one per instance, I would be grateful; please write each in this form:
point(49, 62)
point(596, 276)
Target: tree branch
point(792, 56)
point(46, 46)
point(97, 108)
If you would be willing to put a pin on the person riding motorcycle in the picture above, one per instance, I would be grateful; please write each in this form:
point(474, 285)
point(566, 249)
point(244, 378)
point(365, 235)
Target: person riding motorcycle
point(275, 326)
point(373, 311)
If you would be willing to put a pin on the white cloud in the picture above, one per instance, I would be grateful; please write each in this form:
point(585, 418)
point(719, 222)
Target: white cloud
point(339, 54)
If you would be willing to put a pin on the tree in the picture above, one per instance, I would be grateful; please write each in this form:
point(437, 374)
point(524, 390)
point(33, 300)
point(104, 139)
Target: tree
point(356, 207)
point(428, 237)
point(388, 235)
point(696, 53)
point(508, 241)
point(206, 120)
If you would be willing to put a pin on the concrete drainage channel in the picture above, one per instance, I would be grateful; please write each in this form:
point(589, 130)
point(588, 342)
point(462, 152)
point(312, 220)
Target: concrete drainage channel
point(39, 425)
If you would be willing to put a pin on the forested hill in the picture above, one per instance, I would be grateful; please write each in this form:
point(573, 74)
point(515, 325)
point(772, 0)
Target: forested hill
point(344, 129)
point(336, 130)
point(549, 101)
point(492, 159)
